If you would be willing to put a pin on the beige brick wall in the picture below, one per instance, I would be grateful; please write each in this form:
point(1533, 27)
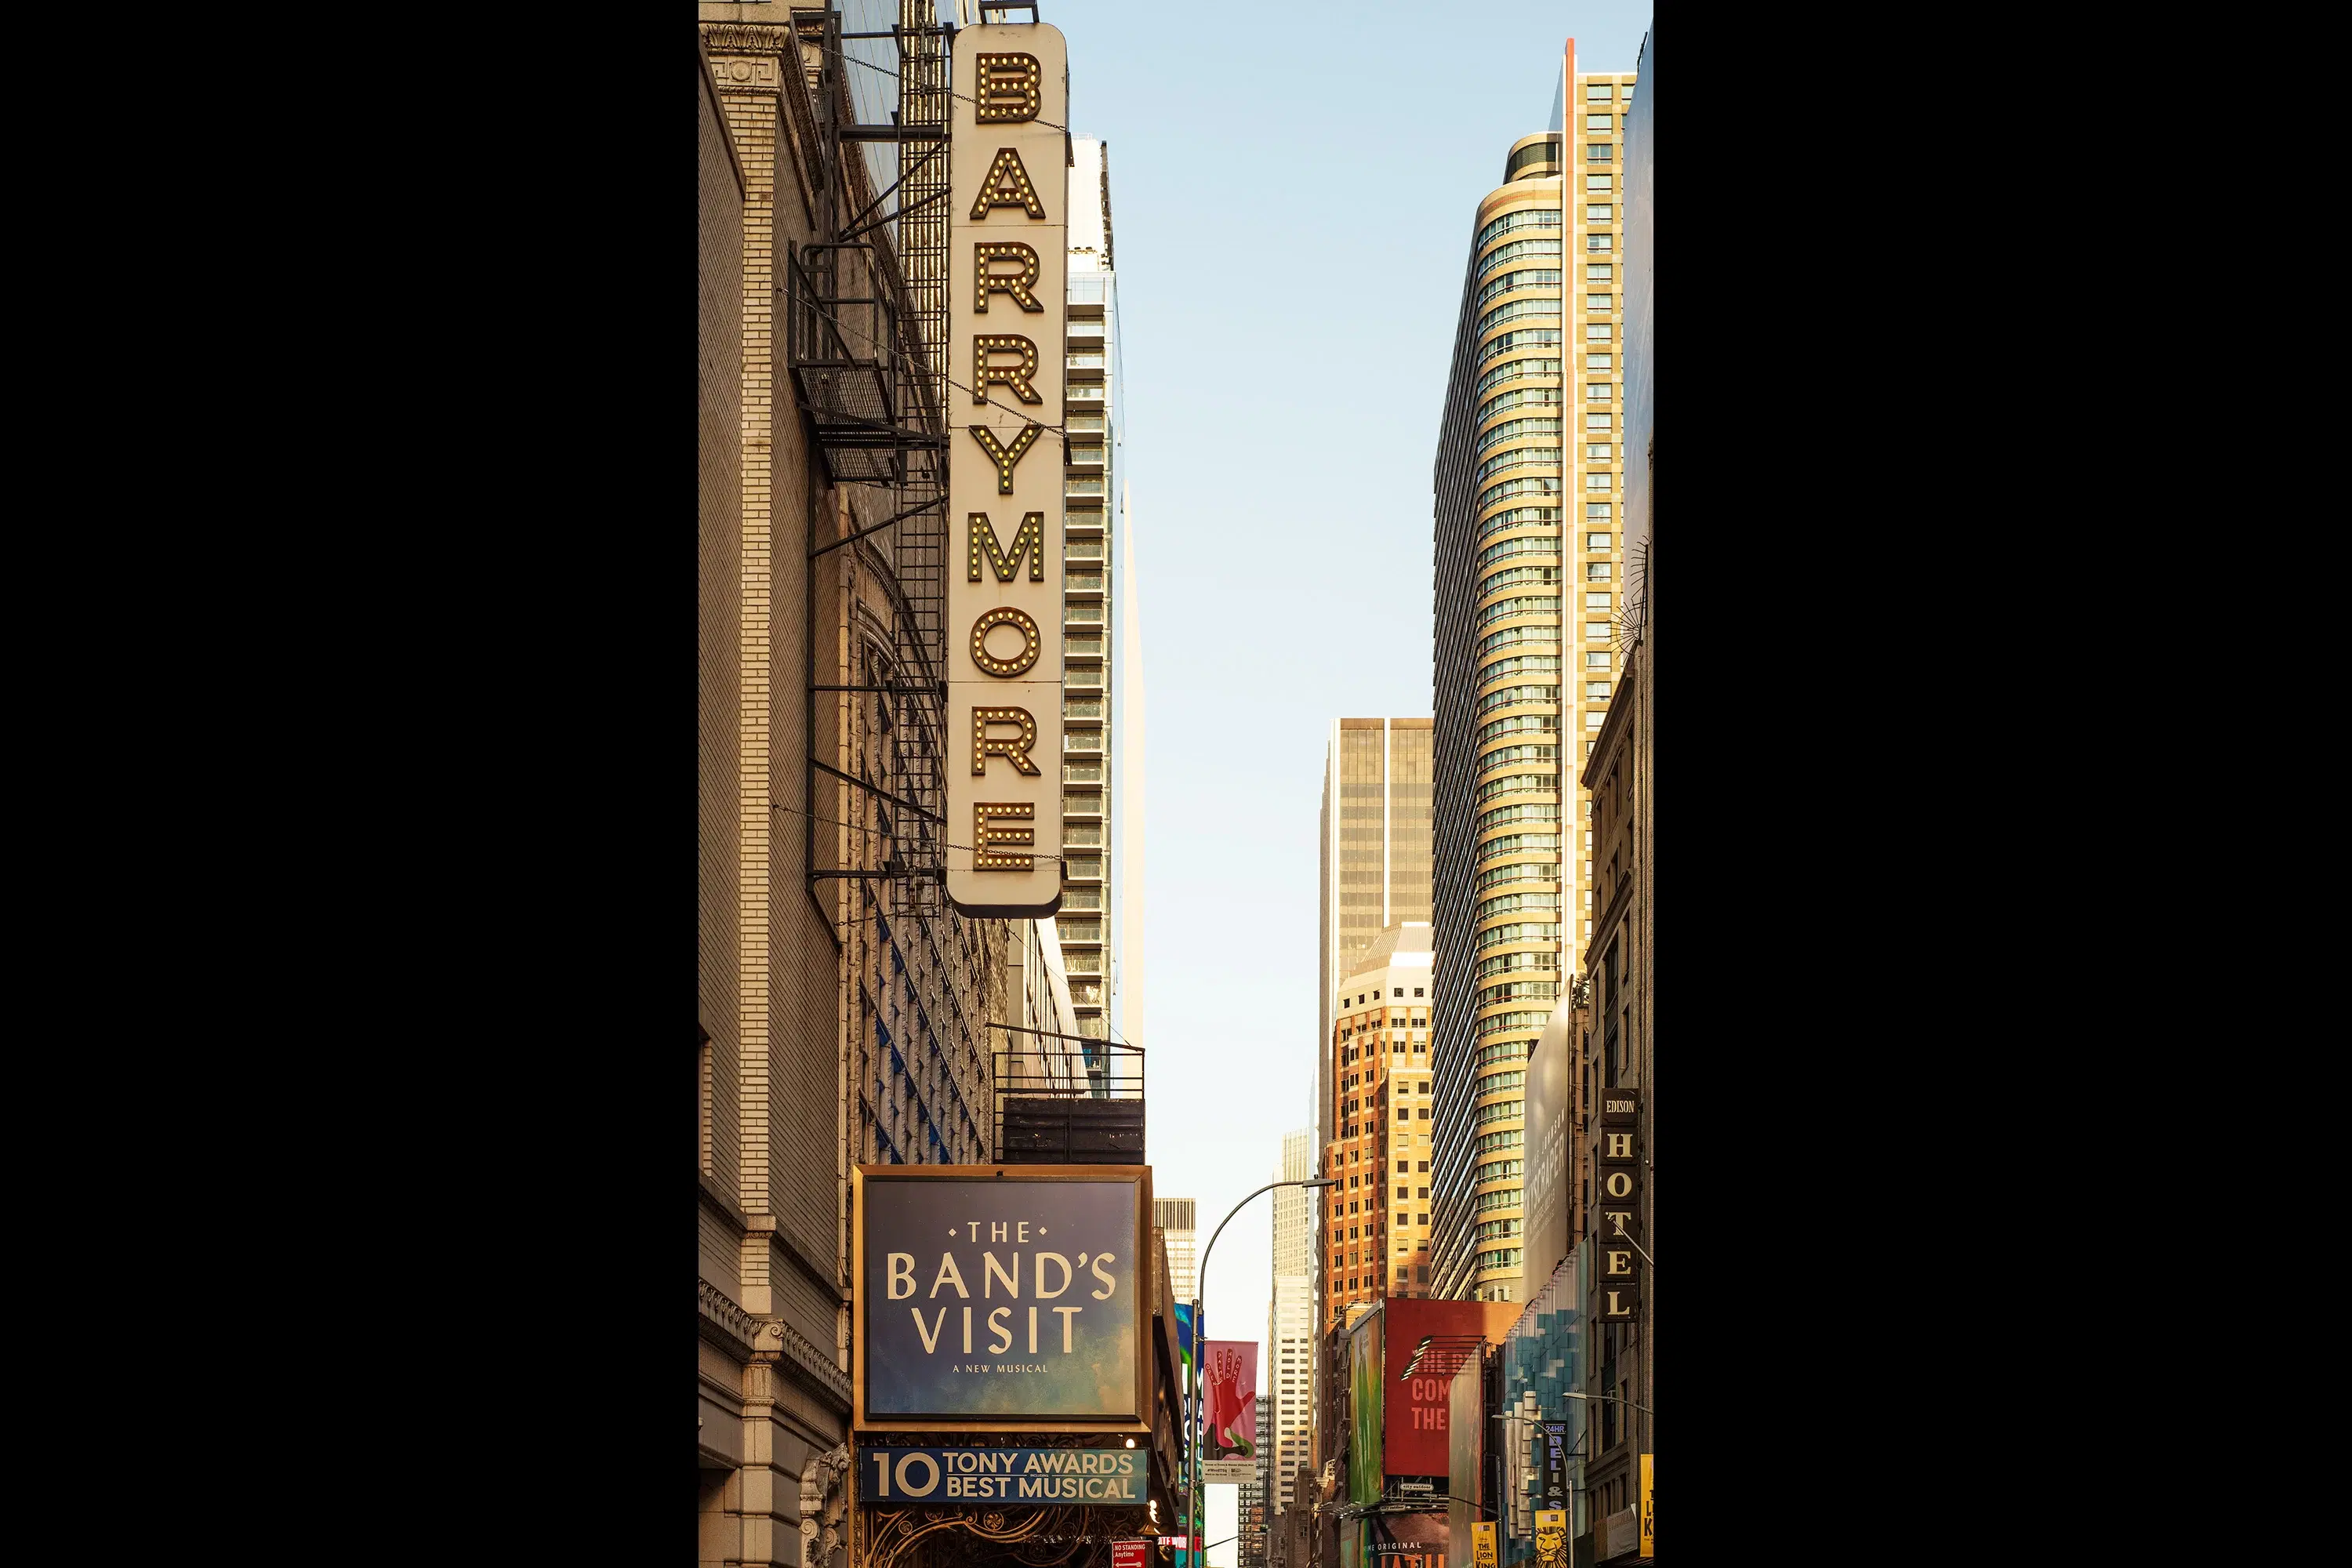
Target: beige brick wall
point(718, 317)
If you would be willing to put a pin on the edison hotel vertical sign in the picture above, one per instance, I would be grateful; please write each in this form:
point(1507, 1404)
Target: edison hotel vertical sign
point(1008, 255)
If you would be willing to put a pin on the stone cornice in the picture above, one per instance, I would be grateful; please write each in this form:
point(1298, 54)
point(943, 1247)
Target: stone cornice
point(724, 1323)
point(798, 1357)
point(751, 38)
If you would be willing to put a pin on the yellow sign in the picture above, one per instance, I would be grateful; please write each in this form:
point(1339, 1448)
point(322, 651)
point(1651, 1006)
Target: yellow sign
point(1552, 1538)
point(1649, 1511)
point(1481, 1545)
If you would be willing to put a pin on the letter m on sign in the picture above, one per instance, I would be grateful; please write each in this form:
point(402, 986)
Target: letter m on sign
point(1029, 540)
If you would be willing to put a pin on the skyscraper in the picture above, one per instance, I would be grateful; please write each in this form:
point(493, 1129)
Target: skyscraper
point(1174, 1219)
point(1285, 1405)
point(1376, 1236)
point(1529, 491)
point(1376, 856)
point(1092, 789)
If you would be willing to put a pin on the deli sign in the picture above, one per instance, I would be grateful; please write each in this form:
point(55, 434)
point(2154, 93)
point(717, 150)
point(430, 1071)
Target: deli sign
point(1617, 1208)
point(1008, 300)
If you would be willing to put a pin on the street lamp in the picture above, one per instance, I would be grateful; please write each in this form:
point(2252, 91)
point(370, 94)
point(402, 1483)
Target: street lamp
point(1194, 1510)
point(1580, 1393)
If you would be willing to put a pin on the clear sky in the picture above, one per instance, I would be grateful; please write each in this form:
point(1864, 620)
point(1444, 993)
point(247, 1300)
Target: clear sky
point(1292, 190)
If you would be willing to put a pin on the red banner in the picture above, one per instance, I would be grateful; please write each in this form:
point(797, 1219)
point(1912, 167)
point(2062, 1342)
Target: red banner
point(1229, 1395)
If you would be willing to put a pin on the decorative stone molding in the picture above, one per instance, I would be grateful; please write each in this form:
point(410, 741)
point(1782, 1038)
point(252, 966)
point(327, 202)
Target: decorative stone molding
point(765, 46)
point(724, 1323)
point(824, 1504)
point(779, 1345)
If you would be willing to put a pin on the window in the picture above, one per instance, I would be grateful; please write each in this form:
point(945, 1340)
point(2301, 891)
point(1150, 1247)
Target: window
point(1596, 542)
point(1597, 631)
point(1596, 571)
point(1597, 152)
point(1594, 183)
point(1596, 242)
point(1597, 451)
point(1400, 991)
point(1600, 301)
point(1598, 272)
point(1601, 122)
point(1597, 391)
point(1599, 92)
point(1596, 691)
point(1416, 991)
point(1596, 361)
point(1597, 212)
point(1598, 481)
point(1596, 422)
point(1424, 1165)
point(1596, 659)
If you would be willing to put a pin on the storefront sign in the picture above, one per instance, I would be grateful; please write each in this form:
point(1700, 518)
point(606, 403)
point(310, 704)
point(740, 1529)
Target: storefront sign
point(1008, 299)
point(1482, 1544)
point(1617, 1204)
point(1555, 1464)
point(1000, 1298)
point(937, 1478)
point(1649, 1510)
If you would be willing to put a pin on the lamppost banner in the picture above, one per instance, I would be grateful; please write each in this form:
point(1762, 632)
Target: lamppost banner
point(1229, 1395)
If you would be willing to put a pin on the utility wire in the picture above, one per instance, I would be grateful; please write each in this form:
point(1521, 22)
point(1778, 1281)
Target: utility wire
point(876, 343)
point(879, 833)
point(846, 56)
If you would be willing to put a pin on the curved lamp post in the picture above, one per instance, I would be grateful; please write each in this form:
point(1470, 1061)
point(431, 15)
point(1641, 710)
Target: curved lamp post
point(1195, 1508)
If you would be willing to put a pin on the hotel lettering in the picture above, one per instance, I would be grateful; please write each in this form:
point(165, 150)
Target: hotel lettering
point(1617, 1206)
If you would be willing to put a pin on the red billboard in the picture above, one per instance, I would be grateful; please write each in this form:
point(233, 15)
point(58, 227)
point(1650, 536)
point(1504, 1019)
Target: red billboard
point(1425, 1344)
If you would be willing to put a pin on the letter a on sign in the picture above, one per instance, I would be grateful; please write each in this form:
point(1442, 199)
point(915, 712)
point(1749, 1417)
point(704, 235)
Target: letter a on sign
point(1008, 216)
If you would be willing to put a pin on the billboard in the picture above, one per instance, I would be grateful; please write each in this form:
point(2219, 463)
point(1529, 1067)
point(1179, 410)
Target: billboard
point(1366, 1482)
point(1229, 1394)
point(1428, 1343)
point(1405, 1540)
point(1002, 1298)
point(1550, 1111)
point(1008, 298)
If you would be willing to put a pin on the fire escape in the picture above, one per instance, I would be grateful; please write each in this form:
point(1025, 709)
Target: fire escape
point(866, 336)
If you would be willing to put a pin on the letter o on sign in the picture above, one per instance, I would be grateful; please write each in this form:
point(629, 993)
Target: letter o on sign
point(1031, 643)
point(910, 1487)
point(1617, 1185)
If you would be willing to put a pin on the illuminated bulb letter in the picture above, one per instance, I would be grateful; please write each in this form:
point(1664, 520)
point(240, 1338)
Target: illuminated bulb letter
point(1029, 540)
point(1007, 185)
point(1005, 458)
point(1014, 284)
point(1007, 88)
point(1016, 376)
point(986, 836)
point(1013, 749)
point(1033, 642)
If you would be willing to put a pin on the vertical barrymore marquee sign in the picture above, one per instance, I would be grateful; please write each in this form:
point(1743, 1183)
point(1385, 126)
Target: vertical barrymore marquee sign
point(1008, 257)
